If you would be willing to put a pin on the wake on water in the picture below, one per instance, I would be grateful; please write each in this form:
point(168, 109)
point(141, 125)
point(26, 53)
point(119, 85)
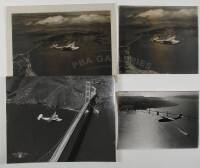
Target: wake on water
point(183, 132)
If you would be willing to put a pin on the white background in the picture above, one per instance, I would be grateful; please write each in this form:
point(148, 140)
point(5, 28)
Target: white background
point(182, 158)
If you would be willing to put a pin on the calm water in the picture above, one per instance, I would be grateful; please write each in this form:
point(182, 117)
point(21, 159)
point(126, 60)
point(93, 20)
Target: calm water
point(27, 134)
point(92, 58)
point(181, 58)
point(141, 130)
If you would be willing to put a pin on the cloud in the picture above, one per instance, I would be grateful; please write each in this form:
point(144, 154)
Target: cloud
point(185, 13)
point(86, 18)
point(80, 19)
point(162, 13)
point(28, 23)
point(52, 20)
point(151, 14)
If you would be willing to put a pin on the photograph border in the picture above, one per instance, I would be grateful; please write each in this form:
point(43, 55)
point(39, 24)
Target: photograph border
point(111, 7)
point(134, 4)
point(3, 118)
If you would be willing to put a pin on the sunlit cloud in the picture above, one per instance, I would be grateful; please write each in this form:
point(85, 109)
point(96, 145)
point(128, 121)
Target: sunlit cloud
point(90, 18)
point(52, 20)
point(80, 19)
point(163, 13)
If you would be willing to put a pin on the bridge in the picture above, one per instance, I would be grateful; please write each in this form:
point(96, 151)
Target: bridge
point(69, 139)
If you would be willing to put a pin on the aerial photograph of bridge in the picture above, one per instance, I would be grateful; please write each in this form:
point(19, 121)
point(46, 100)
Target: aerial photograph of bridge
point(60, 119)
point(158, 40)
point(159, 119)
point(61, 43)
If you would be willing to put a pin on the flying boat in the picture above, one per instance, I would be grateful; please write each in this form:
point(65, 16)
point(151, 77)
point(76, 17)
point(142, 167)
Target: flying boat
point(71, 46)
point(53, 117)
point(169, 40)
point(169, 119)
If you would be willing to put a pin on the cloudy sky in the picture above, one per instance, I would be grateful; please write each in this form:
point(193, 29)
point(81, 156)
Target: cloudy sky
point(51, 19)
point(77, 19)
point(136, 15)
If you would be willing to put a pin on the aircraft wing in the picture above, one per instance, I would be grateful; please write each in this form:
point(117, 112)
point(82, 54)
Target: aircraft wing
point(164, 117)
point(71, 109)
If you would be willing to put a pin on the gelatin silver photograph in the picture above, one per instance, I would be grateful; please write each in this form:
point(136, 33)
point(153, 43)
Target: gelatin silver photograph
point(60, 119)
point(166, 119)
point(158, 40)
point(61, 43)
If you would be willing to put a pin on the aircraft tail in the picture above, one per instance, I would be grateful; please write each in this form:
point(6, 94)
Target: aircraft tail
point(40, 116)
point(179, 116)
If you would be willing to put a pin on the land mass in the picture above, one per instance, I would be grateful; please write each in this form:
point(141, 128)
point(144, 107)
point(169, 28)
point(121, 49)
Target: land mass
point(142, 103)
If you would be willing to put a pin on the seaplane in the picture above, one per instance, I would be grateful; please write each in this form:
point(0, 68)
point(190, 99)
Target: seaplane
point(169, 40)
point(53, 117)
point(165, 116)
point(71, 46)
point(169, 119)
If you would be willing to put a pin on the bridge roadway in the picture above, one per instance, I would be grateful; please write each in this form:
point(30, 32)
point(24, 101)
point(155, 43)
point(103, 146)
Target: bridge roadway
point(61, 147)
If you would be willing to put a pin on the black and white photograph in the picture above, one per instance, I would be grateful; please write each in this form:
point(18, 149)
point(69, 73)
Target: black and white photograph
point(158, 119)
point(60, 119)
point(158, 40)
point(61, 43)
